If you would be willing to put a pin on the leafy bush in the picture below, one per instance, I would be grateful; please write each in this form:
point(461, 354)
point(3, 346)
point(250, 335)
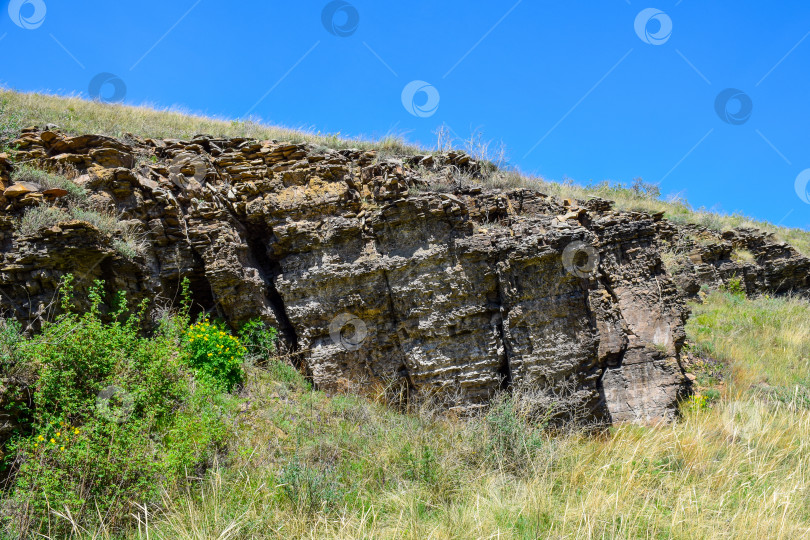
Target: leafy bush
point(215, 354)
point(117, 418)
point(10, 340)
point(734, 286)
point(259, 339)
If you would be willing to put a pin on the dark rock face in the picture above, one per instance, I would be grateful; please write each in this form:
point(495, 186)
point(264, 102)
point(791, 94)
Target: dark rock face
point(373, 278)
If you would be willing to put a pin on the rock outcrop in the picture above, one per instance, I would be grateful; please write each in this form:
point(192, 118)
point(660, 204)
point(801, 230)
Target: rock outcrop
point(751, 259)
point(376, 273)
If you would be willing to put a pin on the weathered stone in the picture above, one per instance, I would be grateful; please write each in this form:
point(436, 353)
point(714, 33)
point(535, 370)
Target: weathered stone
point(19, 189)
point(55, 192)
point(375, 281)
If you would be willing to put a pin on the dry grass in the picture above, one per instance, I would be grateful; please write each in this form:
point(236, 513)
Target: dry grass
point(75, 115)
point(80, 116)
point(128, 240)
point(307, 465)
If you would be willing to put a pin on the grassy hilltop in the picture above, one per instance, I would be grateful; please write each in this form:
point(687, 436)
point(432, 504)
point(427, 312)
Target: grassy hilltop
point(219, 437)
point(78, 116)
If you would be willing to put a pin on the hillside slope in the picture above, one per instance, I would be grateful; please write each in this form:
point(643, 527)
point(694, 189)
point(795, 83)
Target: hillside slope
point(445, 331)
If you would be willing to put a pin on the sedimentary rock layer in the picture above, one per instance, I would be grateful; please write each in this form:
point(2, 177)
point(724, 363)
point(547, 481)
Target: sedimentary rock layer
point(381, 272)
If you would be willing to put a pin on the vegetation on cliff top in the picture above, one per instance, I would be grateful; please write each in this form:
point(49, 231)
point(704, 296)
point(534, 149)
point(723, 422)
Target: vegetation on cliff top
point(79, 116)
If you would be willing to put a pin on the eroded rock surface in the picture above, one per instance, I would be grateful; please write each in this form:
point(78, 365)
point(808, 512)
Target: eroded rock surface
point(374, 278)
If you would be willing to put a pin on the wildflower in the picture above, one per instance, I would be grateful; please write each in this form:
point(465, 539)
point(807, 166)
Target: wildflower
point(40, 438)
point(36, 445)
point(61, 448)
point(76, 431)
point(53, 441)
point(58, 433)
point(210, 354)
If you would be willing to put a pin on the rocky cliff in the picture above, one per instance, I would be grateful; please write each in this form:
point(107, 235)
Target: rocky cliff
point(379, 271)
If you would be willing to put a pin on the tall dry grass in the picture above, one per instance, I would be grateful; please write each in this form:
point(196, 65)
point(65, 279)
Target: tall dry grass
point(80, 116)
point(308, 465)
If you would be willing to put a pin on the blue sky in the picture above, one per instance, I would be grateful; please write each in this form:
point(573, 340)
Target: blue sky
point(592, 91)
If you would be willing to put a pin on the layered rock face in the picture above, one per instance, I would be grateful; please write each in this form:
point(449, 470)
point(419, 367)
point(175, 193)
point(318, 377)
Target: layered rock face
point(750, 258)
point(375, 276)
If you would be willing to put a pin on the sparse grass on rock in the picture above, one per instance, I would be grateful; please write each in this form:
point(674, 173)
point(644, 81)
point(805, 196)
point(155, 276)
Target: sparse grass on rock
point(79, 116)
point(49, 180)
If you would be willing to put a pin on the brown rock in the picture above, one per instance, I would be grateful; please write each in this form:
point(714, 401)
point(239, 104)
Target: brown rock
point(31, 199)
point(55, 192)
point(19, 189)
point(379, 284)
point(48, 136)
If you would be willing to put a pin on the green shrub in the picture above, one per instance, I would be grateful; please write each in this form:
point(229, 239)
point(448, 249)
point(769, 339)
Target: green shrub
point(215, 354)
point(309, 490)
point(118, 417)
point(11, 121)
point(259, 339)
point(734, 286)
point(420, 466)
point(10, 340)
point(36, 218)
point(511, 439)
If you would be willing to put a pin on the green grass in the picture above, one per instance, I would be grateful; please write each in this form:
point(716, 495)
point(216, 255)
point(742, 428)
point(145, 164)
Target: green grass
point(304, 464)
point(291, 461)
point(767, 337)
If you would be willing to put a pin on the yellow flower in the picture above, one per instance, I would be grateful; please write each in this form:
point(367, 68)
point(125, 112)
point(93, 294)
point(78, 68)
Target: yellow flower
point(62, 448)
point(210, 354)
point(58, 433)
point(41, 438)
point(36, 445)
point(53, 441)
point(76, 431)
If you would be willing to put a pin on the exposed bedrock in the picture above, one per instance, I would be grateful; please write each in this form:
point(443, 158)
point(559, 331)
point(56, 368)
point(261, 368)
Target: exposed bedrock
point(374, 275)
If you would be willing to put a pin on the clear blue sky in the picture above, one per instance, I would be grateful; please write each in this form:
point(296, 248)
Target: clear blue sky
point(573, 88)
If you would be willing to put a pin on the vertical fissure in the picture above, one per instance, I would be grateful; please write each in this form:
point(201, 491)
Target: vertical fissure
point(269, 270)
